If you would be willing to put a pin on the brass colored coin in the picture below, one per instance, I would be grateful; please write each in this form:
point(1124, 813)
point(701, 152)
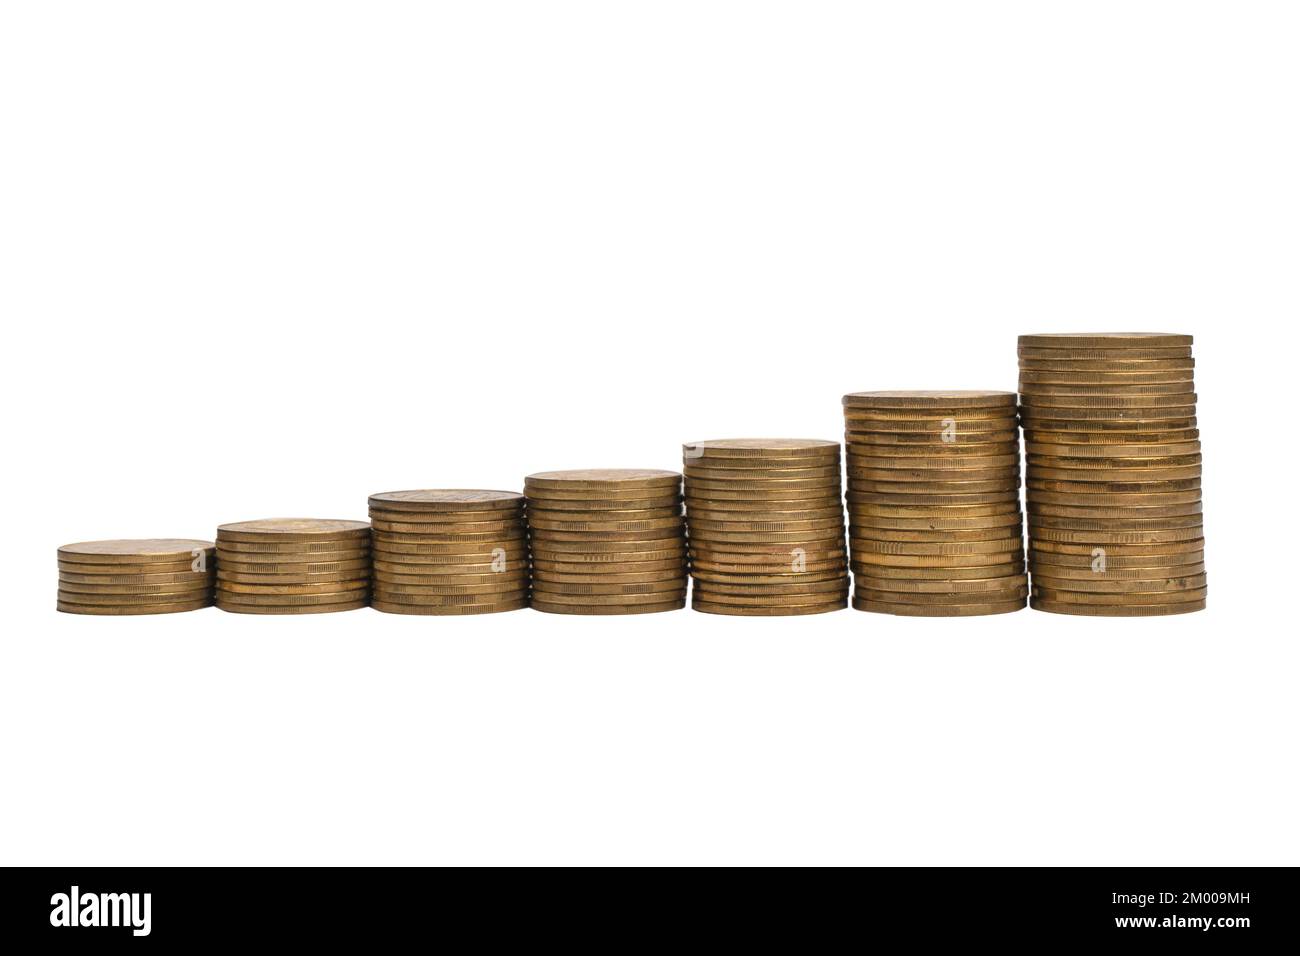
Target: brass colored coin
point(791, 538)
point(445, 590)
point(1097, 584)
point(303, 550)
point(748, 569)
point(449, 600)
point(657, 597)
point(602, 609)
point(759, 448)
point(1068, 511)
point(271, 569)
point(449, 528)
point(1114, 562)
point(816, 590)
point(505, 581)
point(1031, 378)
point(292, 529)
point(1036, 485)
point(935, 537)
point(1125, 354)
point(1177, 404)
point(456, 563)
point(151, 590)
point(701, 513)
point(163, 578)
point(1106, 365)
point(447, 499)
point(1006, 595)
point(743, 507)
point(789, 610)
point(941, 576)
point(239, 577)
point(1103, 417)
point(981, 452)
point(957, 591)
point(434, 521)
point(930, 399)
point(1104, 340)
point(609, 550)
point(131, 600)
point(617, 497)
point(1041, 536)
point(1097, 523)
point(1119, 474)
point(617, 507)
point(927, 493)
point(940, 437)
point(117, 610)
point(435, 552)
point(560, 592)
point(461, 609)
point(939, 610)
point(809, 486)
point(654, 524)
point(291, 608)
point(587, 538)
point(405, 533)
point(322, 587)
point(602, 478)
point(860, 479)
point(782, 498)
point(866, 562)
point(1121, 439)
point(864, 547)
point(931, 523)
point(673, 564)
point(917, 512)
point(511, 567)
point(225, 597)
point(136, 551)
point(1087, 575)
point(817, 524)
point(677, 574)
point(1114, 550)
point(1121, 452)
point(957, 459)
point(1097, 599)
point(789, 577)
point(1115, 610)
point(760, 474)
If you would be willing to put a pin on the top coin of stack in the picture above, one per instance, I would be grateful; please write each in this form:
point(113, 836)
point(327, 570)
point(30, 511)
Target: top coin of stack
point(934, 502)
point(766, 526)
point(140, 576)
point(607, 541)
point(1114, 473)
point(451, 551)
point(293, 566)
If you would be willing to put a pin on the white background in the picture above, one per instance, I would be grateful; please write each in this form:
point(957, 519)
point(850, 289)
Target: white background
point(263, 259)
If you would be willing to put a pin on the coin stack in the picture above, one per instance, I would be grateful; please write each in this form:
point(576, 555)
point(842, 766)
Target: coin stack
point(1113, 482)
point(607, 541)
point(934, 503)
point(142, 576)
point(293, 566)
point(450, 551)
point(766, 526)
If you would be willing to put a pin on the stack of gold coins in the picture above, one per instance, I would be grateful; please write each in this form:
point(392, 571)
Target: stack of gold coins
point(934, 503)
point(293, 566)
point(1113, 481)
point(766, 526)
point(141, 576)
point(607, 541)
point(450, 551)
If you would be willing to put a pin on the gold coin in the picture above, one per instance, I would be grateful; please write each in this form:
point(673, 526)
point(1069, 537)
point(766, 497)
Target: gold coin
point(859, 533)
point(163, 578)
point(764, 498)
point(131, 600)
point(504, 581)
point(493, 588)
point(1042, 536)
point(1012, 593)
point(700, 513)
point(792, 538)
point(461, 609)
point(875, 572)
point(151, 590)
point(955, 458)
point(812, 590)
point(447, 499)
point(817, 524)
point(587, 538)
point(788, 577)
point(866, 562)
point(609, 550)
point(677, 574)
point(937, 492)
point(1157, 572)
point(1175, 405)
point(602, 478)
point(789, 610)
point(861, 479)
point(1125, 354)
point(930, 399)
point(1114, 561)
point(1119, 474)
point(278, 530)
point(325, 577)
point(939, 523)
point(449, 600)
point(226, 596)
point(1112, 452)
point(270, 569)
point(759, 448)
point(345, 586)
point(1098, 598)
point(564, 592)
point(617, 497)
point(1098, 523)
point(760, 474)
point(837, 566)
point(1069, 511)
point(957, 591)
point(1115, 610)
point(617, 507)
point(939, 610)
point(116, 610)
point(1030, 379)
point(602, 609)
point(329, 550)
point(983, 453)
point(291, 608)
point(436, 552)
point(812, 487)
point(446, 520)
point(941, 437)
point(1169, 486)
point(1104, 340)
point(740, 506)
point(865, 547)
point(406, 533)
point(1120, 439)
point(1071, 364)
point(471, 531)
point(917, 512)
point(591, 600)
point(536, 522)
point(136, 551)
point(1168, 584)
point(674, 564)
point(1115, 550)
point(507, 566)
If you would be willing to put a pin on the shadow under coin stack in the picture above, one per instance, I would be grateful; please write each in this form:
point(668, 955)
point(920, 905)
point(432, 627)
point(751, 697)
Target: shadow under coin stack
point(293, 566)
point(934, 503)
point(452, 551)
point(766, 526)
point(607, 541)
point(1114, 474)
point(140, 576)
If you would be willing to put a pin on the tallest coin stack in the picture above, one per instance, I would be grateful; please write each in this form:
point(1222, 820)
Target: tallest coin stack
point(1114, 473)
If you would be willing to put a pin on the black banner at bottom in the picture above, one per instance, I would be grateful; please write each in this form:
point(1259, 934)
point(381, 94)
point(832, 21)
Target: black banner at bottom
point(379, 907)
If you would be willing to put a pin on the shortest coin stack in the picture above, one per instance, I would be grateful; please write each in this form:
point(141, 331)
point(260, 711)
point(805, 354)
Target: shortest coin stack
point(293, 566)
point(766, 526)
point(934, 503)
point(449, 551)
point(607, 541)
point(140, 576)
